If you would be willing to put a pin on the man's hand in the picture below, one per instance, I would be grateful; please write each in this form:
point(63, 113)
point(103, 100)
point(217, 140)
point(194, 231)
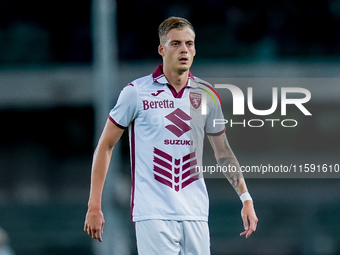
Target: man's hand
point(94, 224)
point(249, 218)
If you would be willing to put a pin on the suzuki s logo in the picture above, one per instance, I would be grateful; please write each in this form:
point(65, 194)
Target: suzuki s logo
point(178, 117)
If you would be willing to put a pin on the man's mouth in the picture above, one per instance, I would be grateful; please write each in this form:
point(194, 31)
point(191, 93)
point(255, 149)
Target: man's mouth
point(183, 60)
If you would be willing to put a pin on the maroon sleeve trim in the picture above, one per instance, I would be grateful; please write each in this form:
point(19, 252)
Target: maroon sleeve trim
point(217, 134)
point(114, 122)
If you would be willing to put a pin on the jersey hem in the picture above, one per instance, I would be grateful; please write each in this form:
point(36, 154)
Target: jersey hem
point(175, 218)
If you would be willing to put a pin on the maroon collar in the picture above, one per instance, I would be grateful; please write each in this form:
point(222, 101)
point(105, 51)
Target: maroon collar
point(175, 93)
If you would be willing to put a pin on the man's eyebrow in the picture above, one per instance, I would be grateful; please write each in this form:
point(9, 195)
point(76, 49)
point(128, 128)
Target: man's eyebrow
point(181, 41)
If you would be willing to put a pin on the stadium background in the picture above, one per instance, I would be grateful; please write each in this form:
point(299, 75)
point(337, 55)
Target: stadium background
point(47, 112)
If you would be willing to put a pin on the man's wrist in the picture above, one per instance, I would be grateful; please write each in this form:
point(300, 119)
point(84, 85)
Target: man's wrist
point(94, 206)
point(245, 197)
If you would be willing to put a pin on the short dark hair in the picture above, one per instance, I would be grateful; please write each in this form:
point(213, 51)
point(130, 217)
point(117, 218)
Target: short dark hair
point(173, 23)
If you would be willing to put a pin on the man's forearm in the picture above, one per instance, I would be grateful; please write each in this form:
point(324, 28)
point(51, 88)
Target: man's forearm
point(227, 160)
point(234, 176)
point(100, 165)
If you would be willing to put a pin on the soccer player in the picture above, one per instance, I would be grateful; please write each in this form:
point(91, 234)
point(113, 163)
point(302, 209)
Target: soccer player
point(163, 113)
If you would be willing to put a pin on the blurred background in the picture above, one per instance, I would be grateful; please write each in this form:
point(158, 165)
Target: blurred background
point(62, 65)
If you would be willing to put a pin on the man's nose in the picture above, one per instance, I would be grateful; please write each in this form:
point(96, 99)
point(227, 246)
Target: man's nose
point(184, 49)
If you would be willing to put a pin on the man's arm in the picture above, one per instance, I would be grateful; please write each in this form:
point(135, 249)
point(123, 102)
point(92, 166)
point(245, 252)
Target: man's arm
point(225, 157)
point(94, 221)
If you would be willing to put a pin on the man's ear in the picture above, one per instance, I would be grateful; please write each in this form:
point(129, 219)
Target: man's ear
point(161, 50)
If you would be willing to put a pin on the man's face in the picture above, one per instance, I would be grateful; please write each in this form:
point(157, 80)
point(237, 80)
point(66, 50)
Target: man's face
point(178, 49)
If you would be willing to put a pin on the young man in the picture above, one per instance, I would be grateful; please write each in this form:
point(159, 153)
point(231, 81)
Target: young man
point(163, 111)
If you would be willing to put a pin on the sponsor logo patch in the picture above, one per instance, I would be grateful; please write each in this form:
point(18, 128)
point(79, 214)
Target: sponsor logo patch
point(177, 117)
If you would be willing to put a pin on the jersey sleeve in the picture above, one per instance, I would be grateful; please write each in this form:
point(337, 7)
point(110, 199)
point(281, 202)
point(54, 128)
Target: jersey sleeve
point(212, 125)
point(126, 108)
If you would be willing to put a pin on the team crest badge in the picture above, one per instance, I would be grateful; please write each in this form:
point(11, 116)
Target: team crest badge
point(195, 99)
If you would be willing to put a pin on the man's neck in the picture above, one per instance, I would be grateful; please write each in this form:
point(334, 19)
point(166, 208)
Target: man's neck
point(177, 80)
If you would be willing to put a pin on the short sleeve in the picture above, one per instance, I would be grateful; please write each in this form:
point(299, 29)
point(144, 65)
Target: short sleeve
point(126, 108)
point(212, 125)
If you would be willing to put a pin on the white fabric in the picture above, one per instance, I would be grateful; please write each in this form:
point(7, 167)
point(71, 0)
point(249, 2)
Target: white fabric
point(166, 141)
point(155, 237)
point(245, 196)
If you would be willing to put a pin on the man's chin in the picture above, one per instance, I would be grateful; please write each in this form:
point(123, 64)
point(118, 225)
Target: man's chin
point(184, 68)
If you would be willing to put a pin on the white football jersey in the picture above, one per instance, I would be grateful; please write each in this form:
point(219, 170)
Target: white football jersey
point(166, 133)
